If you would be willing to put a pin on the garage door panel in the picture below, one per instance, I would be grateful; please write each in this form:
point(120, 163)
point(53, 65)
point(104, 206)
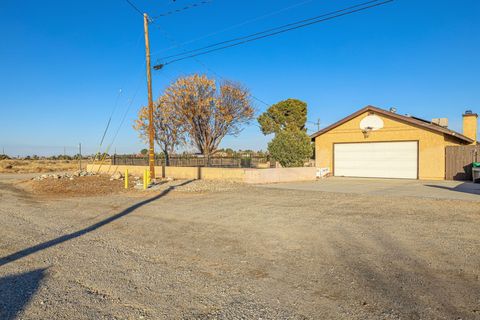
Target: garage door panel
point(377, 160)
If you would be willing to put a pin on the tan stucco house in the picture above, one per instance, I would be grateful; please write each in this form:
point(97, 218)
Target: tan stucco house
point(377, 143)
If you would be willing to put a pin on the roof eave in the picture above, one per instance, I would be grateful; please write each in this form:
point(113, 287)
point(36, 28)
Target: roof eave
point(396, 116)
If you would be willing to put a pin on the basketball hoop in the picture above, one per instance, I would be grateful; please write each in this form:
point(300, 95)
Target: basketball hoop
point(366, 132)
point(370, 123)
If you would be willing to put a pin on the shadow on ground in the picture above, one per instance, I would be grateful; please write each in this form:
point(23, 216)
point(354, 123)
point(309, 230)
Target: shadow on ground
point(394, 281)
point(16, 291)
point(465, 187)
point(45, 245)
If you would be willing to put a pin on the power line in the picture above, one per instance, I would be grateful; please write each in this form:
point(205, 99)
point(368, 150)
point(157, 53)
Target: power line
point(135, 7)
point(317, 123)
point(273, 29)
point(187, 7)
point(236, 25)
point(113, 110)
point(129, 105)
point(110, 118)
point(171, 39)
point(271, 34)
point(124, 117)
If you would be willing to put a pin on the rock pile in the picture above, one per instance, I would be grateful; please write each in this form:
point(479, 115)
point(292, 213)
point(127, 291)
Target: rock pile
point(116, 176)
point(66, 175)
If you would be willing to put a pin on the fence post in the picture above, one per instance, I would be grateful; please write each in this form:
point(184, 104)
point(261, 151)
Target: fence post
point(145, 179)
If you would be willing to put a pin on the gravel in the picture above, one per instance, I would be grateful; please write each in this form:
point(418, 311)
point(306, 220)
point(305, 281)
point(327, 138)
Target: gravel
point(208, 250)
point(197, 186)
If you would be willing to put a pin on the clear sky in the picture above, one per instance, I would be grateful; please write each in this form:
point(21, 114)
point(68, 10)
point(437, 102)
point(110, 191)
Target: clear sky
point(62, 63)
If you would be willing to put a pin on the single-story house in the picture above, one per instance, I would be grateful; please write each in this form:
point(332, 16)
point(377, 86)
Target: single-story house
point(377, 143)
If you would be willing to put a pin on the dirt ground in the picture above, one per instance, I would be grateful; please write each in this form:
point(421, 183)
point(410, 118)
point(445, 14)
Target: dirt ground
point(237, 253)
point(31, 166)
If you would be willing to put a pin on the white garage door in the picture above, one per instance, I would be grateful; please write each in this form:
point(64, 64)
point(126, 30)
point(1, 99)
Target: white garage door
point(376, 159)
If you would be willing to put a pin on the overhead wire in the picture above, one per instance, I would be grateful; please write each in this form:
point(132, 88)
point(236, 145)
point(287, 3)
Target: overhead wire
point(187, 7)
point(125, 114)
point(108, 124)
point(135, 7)
point(235, 26)
point(171, 39)
point(246, 39)
point(129, 105)
point(273, 29)
point(112, 113)
point(249, 39)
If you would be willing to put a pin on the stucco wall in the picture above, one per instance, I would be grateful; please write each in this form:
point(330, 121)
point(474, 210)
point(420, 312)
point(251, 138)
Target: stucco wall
point(431, 144)
point(276, 175)
point(227, 174)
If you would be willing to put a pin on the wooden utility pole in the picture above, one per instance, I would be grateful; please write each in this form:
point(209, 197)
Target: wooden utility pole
point(151, 129)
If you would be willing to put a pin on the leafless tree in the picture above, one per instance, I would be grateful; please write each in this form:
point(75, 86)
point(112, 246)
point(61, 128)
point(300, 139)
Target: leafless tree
point(209, 113)
point(169, 128)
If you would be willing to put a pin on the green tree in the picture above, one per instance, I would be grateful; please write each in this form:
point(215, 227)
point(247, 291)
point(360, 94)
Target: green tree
point(144, 152)
point(290, 147)
point(289, 114)
point(286, 119)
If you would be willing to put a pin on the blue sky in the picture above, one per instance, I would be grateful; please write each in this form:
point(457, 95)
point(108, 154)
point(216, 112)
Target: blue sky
point(63, 63)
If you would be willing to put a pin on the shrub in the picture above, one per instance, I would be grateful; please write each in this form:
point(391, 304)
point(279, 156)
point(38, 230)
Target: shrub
point(291, 148)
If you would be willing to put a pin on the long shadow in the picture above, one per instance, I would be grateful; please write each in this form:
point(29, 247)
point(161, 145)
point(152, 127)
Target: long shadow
point(465, 187)
point(392, 278)
point(45, 245)
point(16, 291)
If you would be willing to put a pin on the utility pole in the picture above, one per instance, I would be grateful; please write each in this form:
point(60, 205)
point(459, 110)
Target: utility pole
point(318, 124)
point(151, 132)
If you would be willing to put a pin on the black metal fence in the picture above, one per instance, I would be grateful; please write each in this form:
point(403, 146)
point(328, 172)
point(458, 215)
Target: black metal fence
point(193, 161)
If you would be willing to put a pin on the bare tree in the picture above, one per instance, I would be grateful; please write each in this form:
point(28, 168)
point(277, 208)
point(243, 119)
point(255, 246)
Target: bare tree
point(169, 129)
point(209, 113)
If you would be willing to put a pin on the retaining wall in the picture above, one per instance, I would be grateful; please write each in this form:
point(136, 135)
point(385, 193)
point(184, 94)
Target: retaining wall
point(245, 175)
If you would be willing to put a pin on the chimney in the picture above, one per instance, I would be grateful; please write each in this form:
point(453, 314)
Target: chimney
point(470, 125)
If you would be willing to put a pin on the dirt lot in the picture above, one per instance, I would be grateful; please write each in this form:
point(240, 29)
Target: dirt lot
point(237, 253)
point(29, 166)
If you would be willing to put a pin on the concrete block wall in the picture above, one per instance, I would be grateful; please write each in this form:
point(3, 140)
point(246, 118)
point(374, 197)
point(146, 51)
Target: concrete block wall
point(252, 176)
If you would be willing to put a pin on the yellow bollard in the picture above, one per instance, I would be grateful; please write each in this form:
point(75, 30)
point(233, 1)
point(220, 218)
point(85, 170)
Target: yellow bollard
point(148, 177)
point(145, 180)
point(126, 178)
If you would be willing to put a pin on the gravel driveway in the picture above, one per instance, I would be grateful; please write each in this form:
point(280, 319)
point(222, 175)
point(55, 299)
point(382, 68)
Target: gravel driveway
point(237, 253)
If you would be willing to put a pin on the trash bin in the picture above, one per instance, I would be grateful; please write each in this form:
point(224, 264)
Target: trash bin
point(476, 172)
